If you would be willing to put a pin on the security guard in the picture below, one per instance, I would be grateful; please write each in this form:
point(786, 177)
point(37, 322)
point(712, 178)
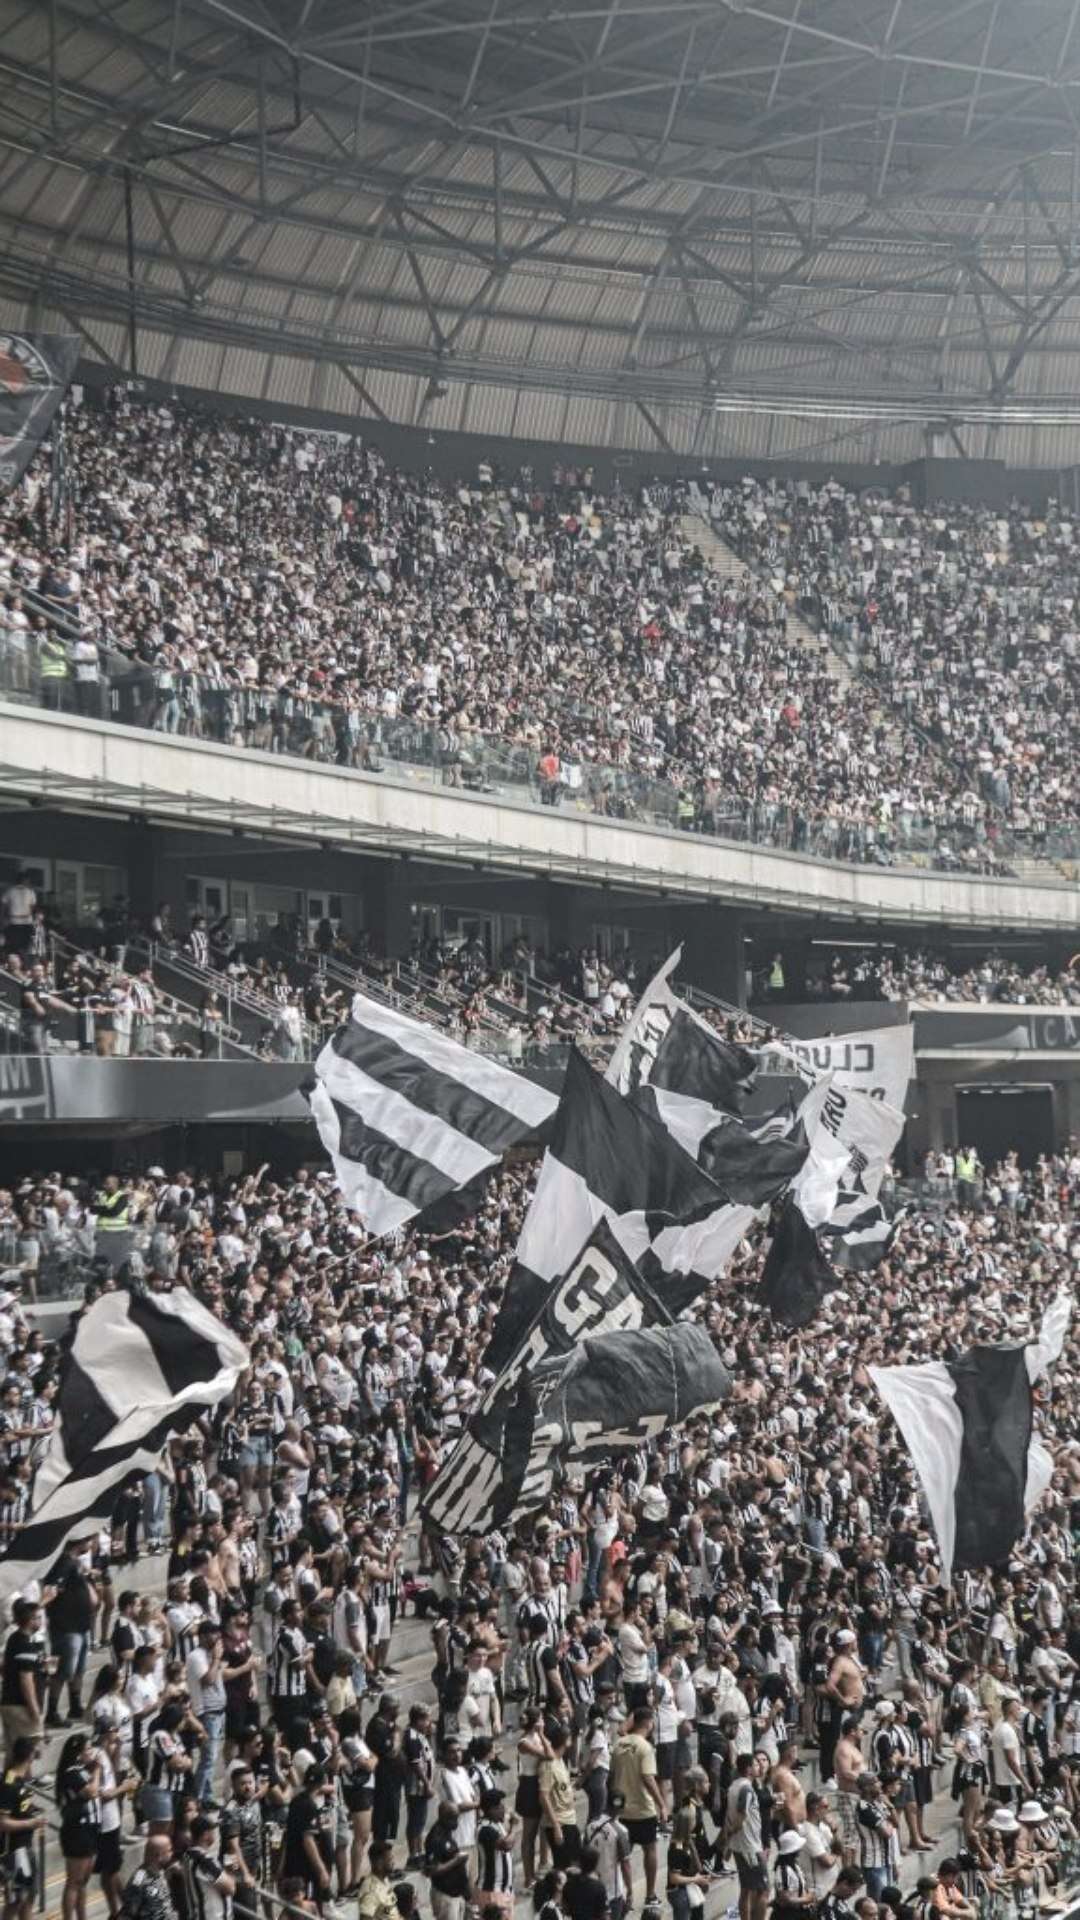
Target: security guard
point(112, 1205)
point(53, 666)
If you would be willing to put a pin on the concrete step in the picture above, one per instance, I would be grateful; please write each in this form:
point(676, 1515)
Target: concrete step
point(728, 564)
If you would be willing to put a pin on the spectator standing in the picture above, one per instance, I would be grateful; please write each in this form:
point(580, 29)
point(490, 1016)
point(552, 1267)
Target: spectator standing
point(633, 1778)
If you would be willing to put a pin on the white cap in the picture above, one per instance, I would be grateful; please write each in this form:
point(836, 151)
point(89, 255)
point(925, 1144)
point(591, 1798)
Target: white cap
point(1032, 1811)
point(790, 1842)
point(1004, 1821)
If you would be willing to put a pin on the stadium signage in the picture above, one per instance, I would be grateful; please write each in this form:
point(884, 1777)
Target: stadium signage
point(998, 1030)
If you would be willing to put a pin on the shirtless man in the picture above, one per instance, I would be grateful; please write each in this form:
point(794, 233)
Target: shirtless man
point(849, 1764)
point(786, 1784)
point(227, 1550)
point(845, 1691)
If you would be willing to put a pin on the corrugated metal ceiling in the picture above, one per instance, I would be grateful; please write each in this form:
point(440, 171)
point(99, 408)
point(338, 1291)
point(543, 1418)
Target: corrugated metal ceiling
point(601, 206)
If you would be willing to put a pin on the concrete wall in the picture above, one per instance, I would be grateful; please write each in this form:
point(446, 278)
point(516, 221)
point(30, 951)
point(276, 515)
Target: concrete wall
point(91, 765)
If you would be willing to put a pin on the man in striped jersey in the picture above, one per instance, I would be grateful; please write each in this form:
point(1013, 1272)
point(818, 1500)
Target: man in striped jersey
point(879, 1844)
point(543, 1680)
point(212, 1884)
point(290, 1668)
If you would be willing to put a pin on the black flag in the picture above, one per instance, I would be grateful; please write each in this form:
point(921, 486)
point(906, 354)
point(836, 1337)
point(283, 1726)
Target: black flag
point(601, 1292)
point(753, 1169)
point(993, 1393)
point(796, 1276)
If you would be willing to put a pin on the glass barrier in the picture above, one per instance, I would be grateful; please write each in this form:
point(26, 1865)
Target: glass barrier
point(189, 706)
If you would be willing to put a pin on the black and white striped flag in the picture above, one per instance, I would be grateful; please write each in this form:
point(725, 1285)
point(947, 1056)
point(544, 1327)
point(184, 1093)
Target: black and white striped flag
point(969, 1426)
point(142, 1367)
point(672, 1064)
point(409, 1116)
point(864, 1241)
point(609, 1160)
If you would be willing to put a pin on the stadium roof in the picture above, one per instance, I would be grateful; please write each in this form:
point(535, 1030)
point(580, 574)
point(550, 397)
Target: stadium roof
point(710, 225)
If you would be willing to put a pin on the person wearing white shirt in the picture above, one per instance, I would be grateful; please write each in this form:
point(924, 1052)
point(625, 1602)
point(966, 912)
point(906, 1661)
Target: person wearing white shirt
point(667, 1727)
point(479, 1712)
point(18, 904)
point(116, 1783)
point(821, 1859)
point(685, 1690)
point(1006, 1756)
point(634, 1642)
point(206, 1685)
point(456, 1788)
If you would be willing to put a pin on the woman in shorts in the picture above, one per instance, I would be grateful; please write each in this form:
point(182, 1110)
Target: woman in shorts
point(78, 1784)
point(532, 1749)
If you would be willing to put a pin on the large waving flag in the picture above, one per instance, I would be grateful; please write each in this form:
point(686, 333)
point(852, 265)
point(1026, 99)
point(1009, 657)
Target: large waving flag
point(608, 1160)
point(601, 1368)
point(410, 1117)
point(969, 1426)
point(142, 1367)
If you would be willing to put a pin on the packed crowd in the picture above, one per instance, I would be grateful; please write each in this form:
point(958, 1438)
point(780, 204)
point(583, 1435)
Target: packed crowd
point(730, 1652)
point(99, 989)
point(964, 616)
point(923, 976)
point(231, 580)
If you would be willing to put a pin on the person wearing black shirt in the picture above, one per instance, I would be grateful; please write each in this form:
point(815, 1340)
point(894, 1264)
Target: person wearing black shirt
point(495, 1853)
point(212, 1883)
point(78, 1782)
point(71, 1620)
point(18, 1824)
point(22, 1694)
point(585, 1895)
point(382, 1737)
point(446, 1865)
point(684, 1870)
point(147, 1896)
point(419, 1758)
point(305, 1857)
point(124, 1638)
point(840, 1903)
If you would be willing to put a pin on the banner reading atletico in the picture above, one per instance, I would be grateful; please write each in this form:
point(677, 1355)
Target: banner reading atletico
point(35, 371)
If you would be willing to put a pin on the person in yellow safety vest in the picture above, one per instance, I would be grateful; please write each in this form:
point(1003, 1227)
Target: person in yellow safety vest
point(53, 666)
point(968, 1170)
point(684, 810)
point(112, 1206)
point(776, 976)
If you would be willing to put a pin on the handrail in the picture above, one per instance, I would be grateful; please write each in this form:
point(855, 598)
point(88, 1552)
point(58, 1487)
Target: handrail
point(51, 610)
point(182, 703)
point(266, 1893)
point(204, 977)
point(178, 1005)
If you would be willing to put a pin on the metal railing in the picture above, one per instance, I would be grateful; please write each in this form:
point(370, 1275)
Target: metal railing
point(185, 705)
